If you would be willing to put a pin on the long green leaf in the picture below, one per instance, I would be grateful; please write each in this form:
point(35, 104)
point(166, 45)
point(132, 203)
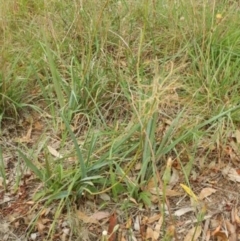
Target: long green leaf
point(78, 150)
point(32, 167)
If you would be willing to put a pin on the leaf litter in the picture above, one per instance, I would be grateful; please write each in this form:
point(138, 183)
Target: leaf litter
point(216, 198)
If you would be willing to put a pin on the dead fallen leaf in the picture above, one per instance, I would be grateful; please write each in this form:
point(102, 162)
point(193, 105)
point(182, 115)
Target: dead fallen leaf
point(150, 234)
point(215, 224)
point(174, 178)
point(138, 166)
point(193, 234)
point(220, 235)
point(154, 218)
point(143, 231)
point(45, 211)
point(100, 215)
point(205, 192)
point(105, 197)
point(226, 170)
point(208, 236)
point(66, 231)
point(65, 234)
point(232, 231)
point(159, 224)
point(171, 230)
point(4, 228)
point(54, 152)
point(137, 223)
point(40, 226)
point(111, 227)
point(33, 236)
point(133, 200)
point(38, 126)
point(27, 137)
point(151, 184)
point(206, 231)
point(232, 151)
point(168, 193)
point(182, 211)
point(156, 235)
point(236, 217)
point(85, 218)
point(45, 220)
point(231, 174)
point(128, 223)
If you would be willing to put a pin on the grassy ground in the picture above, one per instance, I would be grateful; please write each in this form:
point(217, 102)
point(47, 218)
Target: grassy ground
point(103, 93)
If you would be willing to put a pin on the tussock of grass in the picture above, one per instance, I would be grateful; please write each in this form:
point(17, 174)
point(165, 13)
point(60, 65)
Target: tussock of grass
point(125, 82)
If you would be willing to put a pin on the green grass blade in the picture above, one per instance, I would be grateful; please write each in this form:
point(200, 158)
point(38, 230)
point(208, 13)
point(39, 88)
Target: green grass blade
point(77, 148)
point(2, 169)
point(32, 167)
